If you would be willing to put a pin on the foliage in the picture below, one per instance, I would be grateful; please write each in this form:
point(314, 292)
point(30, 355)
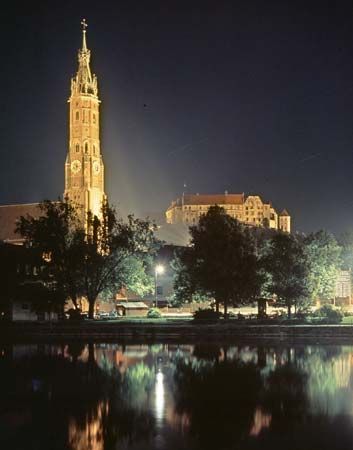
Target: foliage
point(220, 263)
point(346, 243)
point(154, 313)
point(206, 315)
point(75, 315)
point(324, 258)
point(285, 263)
point(58, 236)
point(185, 286)
point(329, 315)
point(98, 259)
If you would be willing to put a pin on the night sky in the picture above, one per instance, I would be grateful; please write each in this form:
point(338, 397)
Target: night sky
point(245, 96)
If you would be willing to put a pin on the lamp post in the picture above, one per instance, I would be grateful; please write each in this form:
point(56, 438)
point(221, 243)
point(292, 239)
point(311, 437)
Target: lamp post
point(159, 269)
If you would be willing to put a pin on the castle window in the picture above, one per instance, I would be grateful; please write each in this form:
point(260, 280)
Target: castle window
point(94, 149)
point(94, 118)
point(77, 115)
point(86, 147)
point(77, 148)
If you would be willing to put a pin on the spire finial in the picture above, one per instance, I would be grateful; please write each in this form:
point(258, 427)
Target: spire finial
point(84, 26)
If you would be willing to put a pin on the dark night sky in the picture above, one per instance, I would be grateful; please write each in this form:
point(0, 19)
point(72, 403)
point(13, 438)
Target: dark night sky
point(245, 96)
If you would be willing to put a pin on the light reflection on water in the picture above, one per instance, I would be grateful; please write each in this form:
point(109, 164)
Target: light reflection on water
point(111, 396)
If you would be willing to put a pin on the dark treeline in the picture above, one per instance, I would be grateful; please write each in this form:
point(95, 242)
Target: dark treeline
point(236, 265)
point(74, 260)
point(226, 262)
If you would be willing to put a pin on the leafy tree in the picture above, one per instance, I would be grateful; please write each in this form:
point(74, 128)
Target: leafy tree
point(185, 285)
point(284, 261)
point(324, 257)
point(100, 259)
point(346, 243)
point(221, 261)
point(116, 255)
point(59, 237)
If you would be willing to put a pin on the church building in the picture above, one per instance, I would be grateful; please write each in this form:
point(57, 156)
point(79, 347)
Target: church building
point(84, 168)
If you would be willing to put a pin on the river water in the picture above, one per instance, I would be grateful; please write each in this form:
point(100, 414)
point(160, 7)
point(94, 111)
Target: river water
point(182, 397)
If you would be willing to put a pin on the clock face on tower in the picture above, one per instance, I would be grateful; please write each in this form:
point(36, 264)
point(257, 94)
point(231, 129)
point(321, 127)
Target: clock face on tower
point(75, 166)
point(96, 167)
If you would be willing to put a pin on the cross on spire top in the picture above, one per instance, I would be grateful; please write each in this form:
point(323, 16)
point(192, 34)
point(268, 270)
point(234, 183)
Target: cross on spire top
point(84, 25)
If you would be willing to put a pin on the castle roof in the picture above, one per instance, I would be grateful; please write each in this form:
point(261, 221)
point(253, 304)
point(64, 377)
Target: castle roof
point(10, 214)
point(213, 199)
point(284, 213)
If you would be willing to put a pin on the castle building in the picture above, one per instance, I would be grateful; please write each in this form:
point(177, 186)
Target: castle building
point(250, 210)
point(84, 168)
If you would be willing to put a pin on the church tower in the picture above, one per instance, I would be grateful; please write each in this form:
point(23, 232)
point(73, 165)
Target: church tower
point(84, 169)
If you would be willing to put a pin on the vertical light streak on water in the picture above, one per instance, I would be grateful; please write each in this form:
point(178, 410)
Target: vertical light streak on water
point(159, 409)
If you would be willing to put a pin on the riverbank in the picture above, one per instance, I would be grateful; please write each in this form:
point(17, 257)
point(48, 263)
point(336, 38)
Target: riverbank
point(172, 331)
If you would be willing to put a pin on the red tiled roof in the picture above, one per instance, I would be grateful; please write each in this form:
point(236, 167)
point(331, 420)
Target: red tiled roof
point(9, 214)
point(210, 199)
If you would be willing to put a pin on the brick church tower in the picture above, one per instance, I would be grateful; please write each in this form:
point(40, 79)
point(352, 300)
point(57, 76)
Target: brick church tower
point(84, 169)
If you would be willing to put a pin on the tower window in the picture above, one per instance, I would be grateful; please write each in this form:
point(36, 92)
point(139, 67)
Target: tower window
point(94, 149)
point(94, 118)
point(77, 115)
point(86, 147)
point(77, 148)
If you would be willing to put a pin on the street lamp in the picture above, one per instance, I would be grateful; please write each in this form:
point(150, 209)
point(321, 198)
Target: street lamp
point(159, 269)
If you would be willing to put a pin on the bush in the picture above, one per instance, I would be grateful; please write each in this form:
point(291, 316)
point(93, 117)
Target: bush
point(206, 315)
point(75, 315)
point(154, 313)
point(328, 315)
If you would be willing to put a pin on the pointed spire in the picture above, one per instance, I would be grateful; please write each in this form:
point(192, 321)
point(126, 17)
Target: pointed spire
point(84, 26)
point(84, 82)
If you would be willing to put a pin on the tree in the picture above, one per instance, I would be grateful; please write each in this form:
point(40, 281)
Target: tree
point(59, 238)
point(285, 263)
point(184, 280)
point(116, 255)
point(346, 243)
point(98, 260)
point(324, 258)
point(221, 261)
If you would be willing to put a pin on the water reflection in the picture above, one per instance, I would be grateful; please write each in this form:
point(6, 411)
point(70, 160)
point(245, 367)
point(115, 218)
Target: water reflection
point(111, 396)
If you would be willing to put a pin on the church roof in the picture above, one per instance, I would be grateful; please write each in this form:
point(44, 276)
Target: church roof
point(284, 213)
point(9, 215)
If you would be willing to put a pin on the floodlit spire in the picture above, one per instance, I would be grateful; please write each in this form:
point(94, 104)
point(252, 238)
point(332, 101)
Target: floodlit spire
point(84, 82)
point(84, 26)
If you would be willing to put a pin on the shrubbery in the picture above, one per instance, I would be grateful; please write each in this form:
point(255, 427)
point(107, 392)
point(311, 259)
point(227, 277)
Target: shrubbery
point(327, 314)
point(206, 315)
point(75, 315)
point(154, 313)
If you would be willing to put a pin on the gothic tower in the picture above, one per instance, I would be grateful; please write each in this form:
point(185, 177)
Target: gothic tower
point(84, 169)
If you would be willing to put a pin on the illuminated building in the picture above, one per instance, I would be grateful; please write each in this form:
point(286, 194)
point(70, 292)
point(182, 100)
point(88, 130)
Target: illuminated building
point(84, 168)
point(250, 210)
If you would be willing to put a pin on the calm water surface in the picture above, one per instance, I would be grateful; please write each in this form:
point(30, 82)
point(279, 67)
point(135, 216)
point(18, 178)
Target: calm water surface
point(182, 397)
